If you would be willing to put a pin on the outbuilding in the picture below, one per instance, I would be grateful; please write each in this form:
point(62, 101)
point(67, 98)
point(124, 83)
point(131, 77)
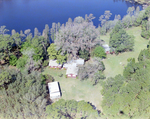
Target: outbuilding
point(54, 90)
point(107, 48)
point(54, 64)
point(72, 70)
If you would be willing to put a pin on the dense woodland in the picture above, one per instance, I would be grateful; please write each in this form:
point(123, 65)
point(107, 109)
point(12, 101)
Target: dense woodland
point(24, 56)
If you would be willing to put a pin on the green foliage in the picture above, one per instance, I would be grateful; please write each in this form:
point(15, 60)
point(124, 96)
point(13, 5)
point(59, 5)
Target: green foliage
point(145, 29)
point(98, 77)
point(24, 97)
point(6, 45)
point(84, 54)
point(39, 44)
point(52, 51)
point(120, 40)
point(70, 109)
point(129, 93)
point(47, 78)
point(13, 60)
point(99, 52)
point(131, 59)
point(5, 78)
point(144, 55)
point(92, 71)
point(45, 63)
point(21, 62)
point(147, 13)
point(56, 54)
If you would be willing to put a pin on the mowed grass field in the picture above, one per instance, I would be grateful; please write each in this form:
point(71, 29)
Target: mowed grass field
point(72, 88)
point(115, 64)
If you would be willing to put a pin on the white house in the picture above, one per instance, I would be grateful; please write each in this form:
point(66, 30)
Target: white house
point(54, 90)
point(72, 70)
point(54, 64)
point(77, 62)
point(107, 48)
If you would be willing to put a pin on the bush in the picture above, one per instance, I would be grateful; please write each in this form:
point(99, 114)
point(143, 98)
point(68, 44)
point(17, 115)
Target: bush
point(84, 54)
point(13, 60)
point(45, 63)
point(21, 62)
point(99, 52)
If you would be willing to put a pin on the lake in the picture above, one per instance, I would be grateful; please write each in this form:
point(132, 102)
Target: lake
point(28, 14)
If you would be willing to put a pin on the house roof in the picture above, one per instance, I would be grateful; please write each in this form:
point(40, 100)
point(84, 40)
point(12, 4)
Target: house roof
point(77, 62)
point(54, 95)
point(54, 63)
point(106, 47)
point(72, 69)
point(53, 87)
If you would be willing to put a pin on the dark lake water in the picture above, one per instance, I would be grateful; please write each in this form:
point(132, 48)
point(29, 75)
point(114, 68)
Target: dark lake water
point(28, 14)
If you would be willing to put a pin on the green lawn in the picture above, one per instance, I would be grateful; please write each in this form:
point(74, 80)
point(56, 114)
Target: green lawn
point(83, 90)
point(75, 89)
point(115, 64)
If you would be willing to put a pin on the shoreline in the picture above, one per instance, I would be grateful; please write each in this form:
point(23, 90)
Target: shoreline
point(142, 2)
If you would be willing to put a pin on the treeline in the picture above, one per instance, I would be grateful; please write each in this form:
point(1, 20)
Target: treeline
point(129, 93)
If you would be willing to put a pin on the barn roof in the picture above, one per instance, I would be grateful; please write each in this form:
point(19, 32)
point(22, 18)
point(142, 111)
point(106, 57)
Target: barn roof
point(77, 62)
point(106, 47)
point(54, 63)
point(53, 87)
point(54, 90)
point(72, 69)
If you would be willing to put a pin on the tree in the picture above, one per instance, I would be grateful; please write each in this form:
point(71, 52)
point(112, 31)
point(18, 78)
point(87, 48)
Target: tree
point(5, 78)
point(36, 32)
point(129, 93)
point(56, 54)
point(69, 109)
point(3, 30)
point(84, 54)
point(144, 55)
point(52, 51)
point(6, 44)
point(24, 97)
point(99, 52)
point(92, 71)
point(21, 62)
point(13, 60)
point(17, 40)
point(104, 18)
point(120, 40)
point(74, 36)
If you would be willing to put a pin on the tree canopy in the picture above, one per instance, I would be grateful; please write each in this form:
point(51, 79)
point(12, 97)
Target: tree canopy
point(120, 40)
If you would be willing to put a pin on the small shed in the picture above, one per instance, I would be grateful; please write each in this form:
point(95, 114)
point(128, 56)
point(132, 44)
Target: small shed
point(107, 48)
point(72, 70)
point(54, 64)
point(54, 90)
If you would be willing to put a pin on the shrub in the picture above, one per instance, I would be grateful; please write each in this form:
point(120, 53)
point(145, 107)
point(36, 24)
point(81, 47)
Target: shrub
point(45, 63)
point(99, 52)
point(21, 62)
point(13, 60)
